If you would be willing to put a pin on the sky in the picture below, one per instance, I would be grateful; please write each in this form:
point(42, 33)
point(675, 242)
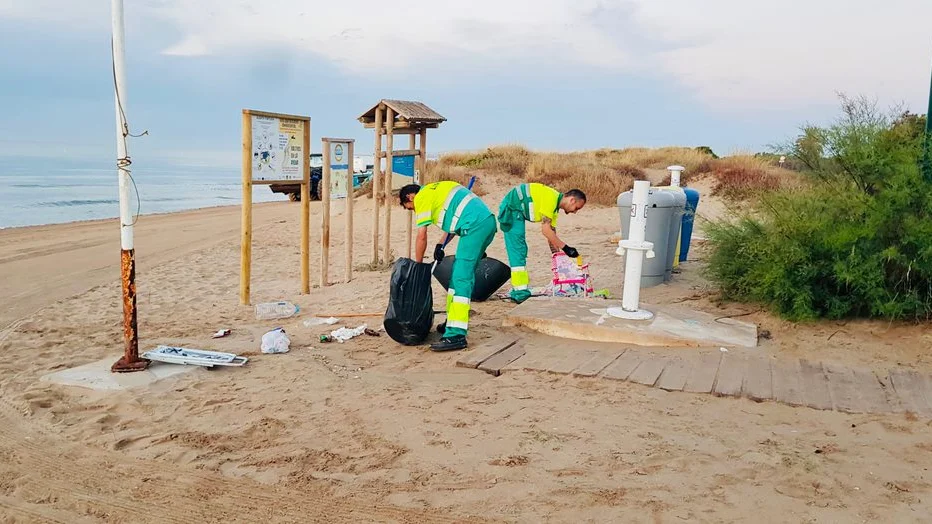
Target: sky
point(736, 75)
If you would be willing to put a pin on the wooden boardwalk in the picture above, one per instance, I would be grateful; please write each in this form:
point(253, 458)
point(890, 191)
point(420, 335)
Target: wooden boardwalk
point(735, 373)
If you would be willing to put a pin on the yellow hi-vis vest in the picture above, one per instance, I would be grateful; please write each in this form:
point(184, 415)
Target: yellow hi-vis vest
point(449, 206)
point(539, 202)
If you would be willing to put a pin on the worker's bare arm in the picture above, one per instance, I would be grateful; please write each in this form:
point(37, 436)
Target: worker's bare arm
point(550, 233)
point(420, 245)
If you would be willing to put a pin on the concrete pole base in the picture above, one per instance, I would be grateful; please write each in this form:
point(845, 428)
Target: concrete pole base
point(640, 314)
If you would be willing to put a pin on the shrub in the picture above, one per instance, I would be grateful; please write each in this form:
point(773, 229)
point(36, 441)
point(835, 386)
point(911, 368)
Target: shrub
point(706, 150)
point(856, 243)
point(743, 177)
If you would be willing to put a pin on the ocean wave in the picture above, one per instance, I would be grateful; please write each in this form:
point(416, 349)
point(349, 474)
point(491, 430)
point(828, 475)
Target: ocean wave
point(75, 203)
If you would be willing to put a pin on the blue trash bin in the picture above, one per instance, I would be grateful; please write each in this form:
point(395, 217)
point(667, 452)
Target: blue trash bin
point(686, 232)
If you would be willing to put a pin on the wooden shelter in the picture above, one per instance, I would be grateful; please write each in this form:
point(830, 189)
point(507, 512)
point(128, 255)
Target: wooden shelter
point(389, 118)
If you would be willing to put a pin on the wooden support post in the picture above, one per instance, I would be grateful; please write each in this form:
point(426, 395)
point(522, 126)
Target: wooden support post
point(246, 241)
point(376, 183)
point(421, 161)
point(306, 213)
point(389, 144)
point(350, 154)
point(410, 214)
point(324, 191)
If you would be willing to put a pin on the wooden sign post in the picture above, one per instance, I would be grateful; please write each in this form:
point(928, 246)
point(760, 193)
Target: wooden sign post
point(337, 171)
point(276, 149)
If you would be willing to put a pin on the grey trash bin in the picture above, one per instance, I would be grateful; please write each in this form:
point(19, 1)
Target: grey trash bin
point(661, 205)
point(676, 224)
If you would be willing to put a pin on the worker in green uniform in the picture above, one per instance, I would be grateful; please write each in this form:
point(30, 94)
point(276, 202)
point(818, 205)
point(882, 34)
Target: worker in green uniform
point(533, 203)
point(456, 211)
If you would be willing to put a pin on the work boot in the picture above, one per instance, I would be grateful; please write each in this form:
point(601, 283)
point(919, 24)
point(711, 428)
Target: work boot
point(449, 343)
point(519, 296)
point(441, 327)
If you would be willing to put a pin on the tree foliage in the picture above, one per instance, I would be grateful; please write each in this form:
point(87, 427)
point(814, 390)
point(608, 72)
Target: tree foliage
point(858, 243)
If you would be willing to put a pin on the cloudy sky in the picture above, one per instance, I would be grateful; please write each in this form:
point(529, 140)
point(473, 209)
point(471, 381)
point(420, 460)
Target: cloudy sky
point(551, 74)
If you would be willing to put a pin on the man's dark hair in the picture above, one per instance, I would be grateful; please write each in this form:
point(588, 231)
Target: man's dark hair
point(577, 194)
point(410, 189)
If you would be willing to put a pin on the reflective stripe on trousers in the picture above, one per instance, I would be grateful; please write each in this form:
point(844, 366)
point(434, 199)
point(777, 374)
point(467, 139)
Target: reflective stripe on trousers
point(457, 311)
point(520, 278)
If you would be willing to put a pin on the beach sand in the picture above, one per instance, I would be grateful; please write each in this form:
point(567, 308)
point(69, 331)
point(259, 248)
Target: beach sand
point(370, 431)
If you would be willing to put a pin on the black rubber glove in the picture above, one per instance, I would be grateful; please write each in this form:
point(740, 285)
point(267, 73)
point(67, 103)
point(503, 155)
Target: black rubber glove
point(438, 253)
point(570, 251)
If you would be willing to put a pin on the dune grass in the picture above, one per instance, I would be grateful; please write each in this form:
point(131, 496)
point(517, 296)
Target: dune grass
point(604, 173)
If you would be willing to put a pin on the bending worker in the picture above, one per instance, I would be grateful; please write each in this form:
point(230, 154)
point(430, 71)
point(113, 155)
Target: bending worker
point(533, 203)
point(455, 210)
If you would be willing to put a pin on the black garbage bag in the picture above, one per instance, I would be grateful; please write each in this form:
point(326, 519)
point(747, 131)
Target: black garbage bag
point(410, 314)
point(491, 274)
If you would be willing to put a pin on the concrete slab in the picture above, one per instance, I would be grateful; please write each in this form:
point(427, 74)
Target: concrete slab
point(586, 319)
point(97, 375)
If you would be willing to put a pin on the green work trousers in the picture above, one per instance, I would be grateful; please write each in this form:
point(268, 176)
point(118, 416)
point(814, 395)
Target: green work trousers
point(471, 245)
point(511, 218)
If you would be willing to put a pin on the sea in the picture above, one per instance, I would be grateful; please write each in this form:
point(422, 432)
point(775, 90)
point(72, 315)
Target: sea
point(40, 191)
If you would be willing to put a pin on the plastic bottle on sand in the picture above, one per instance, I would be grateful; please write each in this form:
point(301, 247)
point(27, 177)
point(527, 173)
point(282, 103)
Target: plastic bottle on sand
point(276, 310)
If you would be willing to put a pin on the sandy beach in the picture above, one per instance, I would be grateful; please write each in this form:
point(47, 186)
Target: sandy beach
point(370, 431)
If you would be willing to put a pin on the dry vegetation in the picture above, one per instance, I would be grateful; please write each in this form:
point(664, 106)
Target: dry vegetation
point(605, 173)
point(742, 176)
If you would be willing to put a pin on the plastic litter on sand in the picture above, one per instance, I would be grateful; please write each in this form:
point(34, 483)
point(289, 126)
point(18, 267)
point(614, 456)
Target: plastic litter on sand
point(275, 341)
point(197, 357)
point(343, 334)
point(276, 310)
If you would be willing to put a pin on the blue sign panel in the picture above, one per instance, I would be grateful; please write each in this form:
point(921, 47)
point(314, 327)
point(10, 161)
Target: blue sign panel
point(403, 165)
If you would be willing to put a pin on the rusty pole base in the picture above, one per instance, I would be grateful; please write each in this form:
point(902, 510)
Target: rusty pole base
point(121, 366)
point(130, 360)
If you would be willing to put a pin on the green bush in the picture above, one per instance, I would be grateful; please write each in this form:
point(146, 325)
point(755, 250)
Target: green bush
point(707, 150)
point(858, 243)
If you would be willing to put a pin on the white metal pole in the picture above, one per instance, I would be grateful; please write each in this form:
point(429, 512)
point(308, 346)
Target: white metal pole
point(634, 262)
point(119, 73)
point(130, 360)
point(635, 248)
point(675, 175)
